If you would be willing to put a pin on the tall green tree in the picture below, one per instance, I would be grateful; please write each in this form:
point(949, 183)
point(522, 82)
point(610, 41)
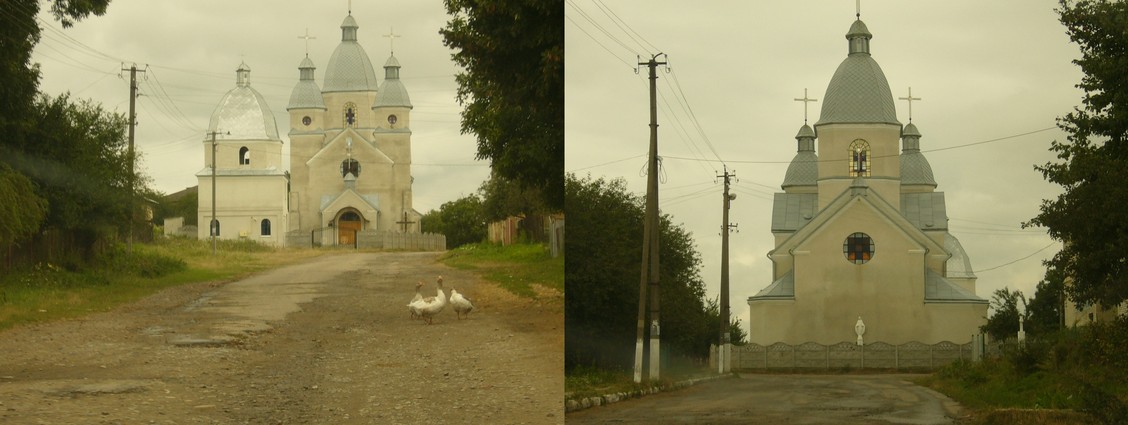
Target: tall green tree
point(1089, 216)
point(21, 210)
point(461, 220)
point(1047, 304)
point(602, 284)
point(1003, 322)
point(512, 87)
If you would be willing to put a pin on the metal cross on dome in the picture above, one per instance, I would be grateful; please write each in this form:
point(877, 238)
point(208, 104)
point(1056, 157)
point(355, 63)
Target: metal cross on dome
point(910, 99)
point(806, 100)
point(307, 39)
point(392, 36)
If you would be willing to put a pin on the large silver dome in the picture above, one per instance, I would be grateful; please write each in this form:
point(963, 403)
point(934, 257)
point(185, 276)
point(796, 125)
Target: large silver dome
point(242, 114)
point(858, 92)
point(349, 68)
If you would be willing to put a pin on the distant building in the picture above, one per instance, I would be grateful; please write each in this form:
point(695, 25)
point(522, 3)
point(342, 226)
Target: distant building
point(860, 230)
point(350, 156)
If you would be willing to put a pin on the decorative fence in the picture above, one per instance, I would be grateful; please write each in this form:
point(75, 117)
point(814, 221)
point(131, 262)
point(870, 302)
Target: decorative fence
point(405, 241)
point(848, 355)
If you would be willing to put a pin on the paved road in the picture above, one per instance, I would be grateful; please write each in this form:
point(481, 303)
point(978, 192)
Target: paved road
point(785, 399)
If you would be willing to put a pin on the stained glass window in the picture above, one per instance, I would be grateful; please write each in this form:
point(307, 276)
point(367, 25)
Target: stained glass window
point(858, 248)
point(859, 158)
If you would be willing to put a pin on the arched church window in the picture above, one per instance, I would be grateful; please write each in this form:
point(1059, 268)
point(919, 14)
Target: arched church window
point(350, 166)
point(214, 227)
point(264, 227)
point(858, 248)
point(244, 156)
point(859, 158)
point(350, 112)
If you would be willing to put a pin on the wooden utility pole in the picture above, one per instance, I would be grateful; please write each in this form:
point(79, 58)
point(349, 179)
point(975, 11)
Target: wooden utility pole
point(724, 346)
point(213, 224)
point(132, 169)
point(648, 284)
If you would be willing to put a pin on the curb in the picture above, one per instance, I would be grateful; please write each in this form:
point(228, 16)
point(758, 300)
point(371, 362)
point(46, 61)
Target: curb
point(574, 405)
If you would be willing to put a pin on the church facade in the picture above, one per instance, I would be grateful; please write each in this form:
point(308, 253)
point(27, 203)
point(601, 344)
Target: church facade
point(350, 156)
point(860, 230)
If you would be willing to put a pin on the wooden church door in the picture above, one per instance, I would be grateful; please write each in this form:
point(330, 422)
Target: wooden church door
point(347, 226)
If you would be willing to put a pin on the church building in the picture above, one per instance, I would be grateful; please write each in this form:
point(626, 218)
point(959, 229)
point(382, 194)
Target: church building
point(350, 155)
point(860, 231)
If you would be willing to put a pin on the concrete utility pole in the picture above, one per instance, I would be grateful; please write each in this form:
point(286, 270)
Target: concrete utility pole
point(724, 347)
point(132, 123)
point(649, 273)
point(213, 225)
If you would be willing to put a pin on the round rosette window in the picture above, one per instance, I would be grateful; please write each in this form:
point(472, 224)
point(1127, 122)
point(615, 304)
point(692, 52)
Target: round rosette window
point(858, 248)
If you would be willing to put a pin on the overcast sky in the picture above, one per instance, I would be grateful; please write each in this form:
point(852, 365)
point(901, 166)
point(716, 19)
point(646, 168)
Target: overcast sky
point(192, 48)
point(984, 71)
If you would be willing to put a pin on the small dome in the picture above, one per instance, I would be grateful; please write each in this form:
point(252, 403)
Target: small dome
point(910, 130)
point(349, 68)
point(803, 171)
point(306, 93)
point(915, 168)
point(959, 265)
point(805, 132)
point(392, 92)
point(858, 29)
point(243, 114)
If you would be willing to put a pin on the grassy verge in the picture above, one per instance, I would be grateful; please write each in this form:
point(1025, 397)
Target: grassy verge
point(585, 381)
point(48, 292)
point(515, 267)
point(1071, 377)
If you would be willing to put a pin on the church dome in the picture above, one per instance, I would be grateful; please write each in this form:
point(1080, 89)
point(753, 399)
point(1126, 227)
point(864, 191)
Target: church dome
point(914, 166)
point(392, 92)
point(306, 94)
point(959, 265)
point(804, 167)
point(242, 114)
point(349, 68)
point(858, 92)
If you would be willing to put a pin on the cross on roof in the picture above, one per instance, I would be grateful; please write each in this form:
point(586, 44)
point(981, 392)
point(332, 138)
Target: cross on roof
point(858, 8)
point(910, 99)
point(307, 39)
point(391, 36)
point(805, 101)
point(405, 222)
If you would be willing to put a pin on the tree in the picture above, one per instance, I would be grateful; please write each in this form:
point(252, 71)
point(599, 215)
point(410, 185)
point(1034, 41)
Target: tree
point(512, 87)
point(602, 285)
point(461, 220)
point(1046, 306)
point(1003, 322)
point(21, 210)
point(1089, 216)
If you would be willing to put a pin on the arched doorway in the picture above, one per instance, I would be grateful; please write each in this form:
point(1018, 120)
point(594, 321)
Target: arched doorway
point(348, 224)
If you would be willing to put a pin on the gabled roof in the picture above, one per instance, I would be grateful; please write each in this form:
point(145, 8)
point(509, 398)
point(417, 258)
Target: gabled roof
point(336, 146)
point(792, 211)
point(859, 195)
point(925, 210)
point(350, 198)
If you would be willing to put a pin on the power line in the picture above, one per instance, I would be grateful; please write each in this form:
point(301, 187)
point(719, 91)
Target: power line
point(1015, 261)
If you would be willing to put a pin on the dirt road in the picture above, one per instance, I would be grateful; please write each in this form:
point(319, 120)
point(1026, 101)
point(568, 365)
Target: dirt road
point(785, 399)
point(326, 341)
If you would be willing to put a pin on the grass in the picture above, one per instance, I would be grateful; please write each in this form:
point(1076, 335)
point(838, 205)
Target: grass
point(1073, 376)
point(47, 292)
point(516, 268)
point(588, 381)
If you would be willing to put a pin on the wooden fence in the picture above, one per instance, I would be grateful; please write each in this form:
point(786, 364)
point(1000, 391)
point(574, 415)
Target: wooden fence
point(848, 355)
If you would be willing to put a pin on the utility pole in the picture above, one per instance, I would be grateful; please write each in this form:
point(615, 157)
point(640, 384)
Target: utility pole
point(724, 346)
point(213, 224)
point(648, 284)
point(132, 123)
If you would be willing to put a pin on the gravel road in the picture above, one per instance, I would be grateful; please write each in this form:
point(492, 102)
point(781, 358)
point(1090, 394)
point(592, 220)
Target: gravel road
point(328, 340)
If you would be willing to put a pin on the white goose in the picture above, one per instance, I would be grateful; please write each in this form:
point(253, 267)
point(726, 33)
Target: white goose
point(461, 304)
point(418, 297)
point(428, 307)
